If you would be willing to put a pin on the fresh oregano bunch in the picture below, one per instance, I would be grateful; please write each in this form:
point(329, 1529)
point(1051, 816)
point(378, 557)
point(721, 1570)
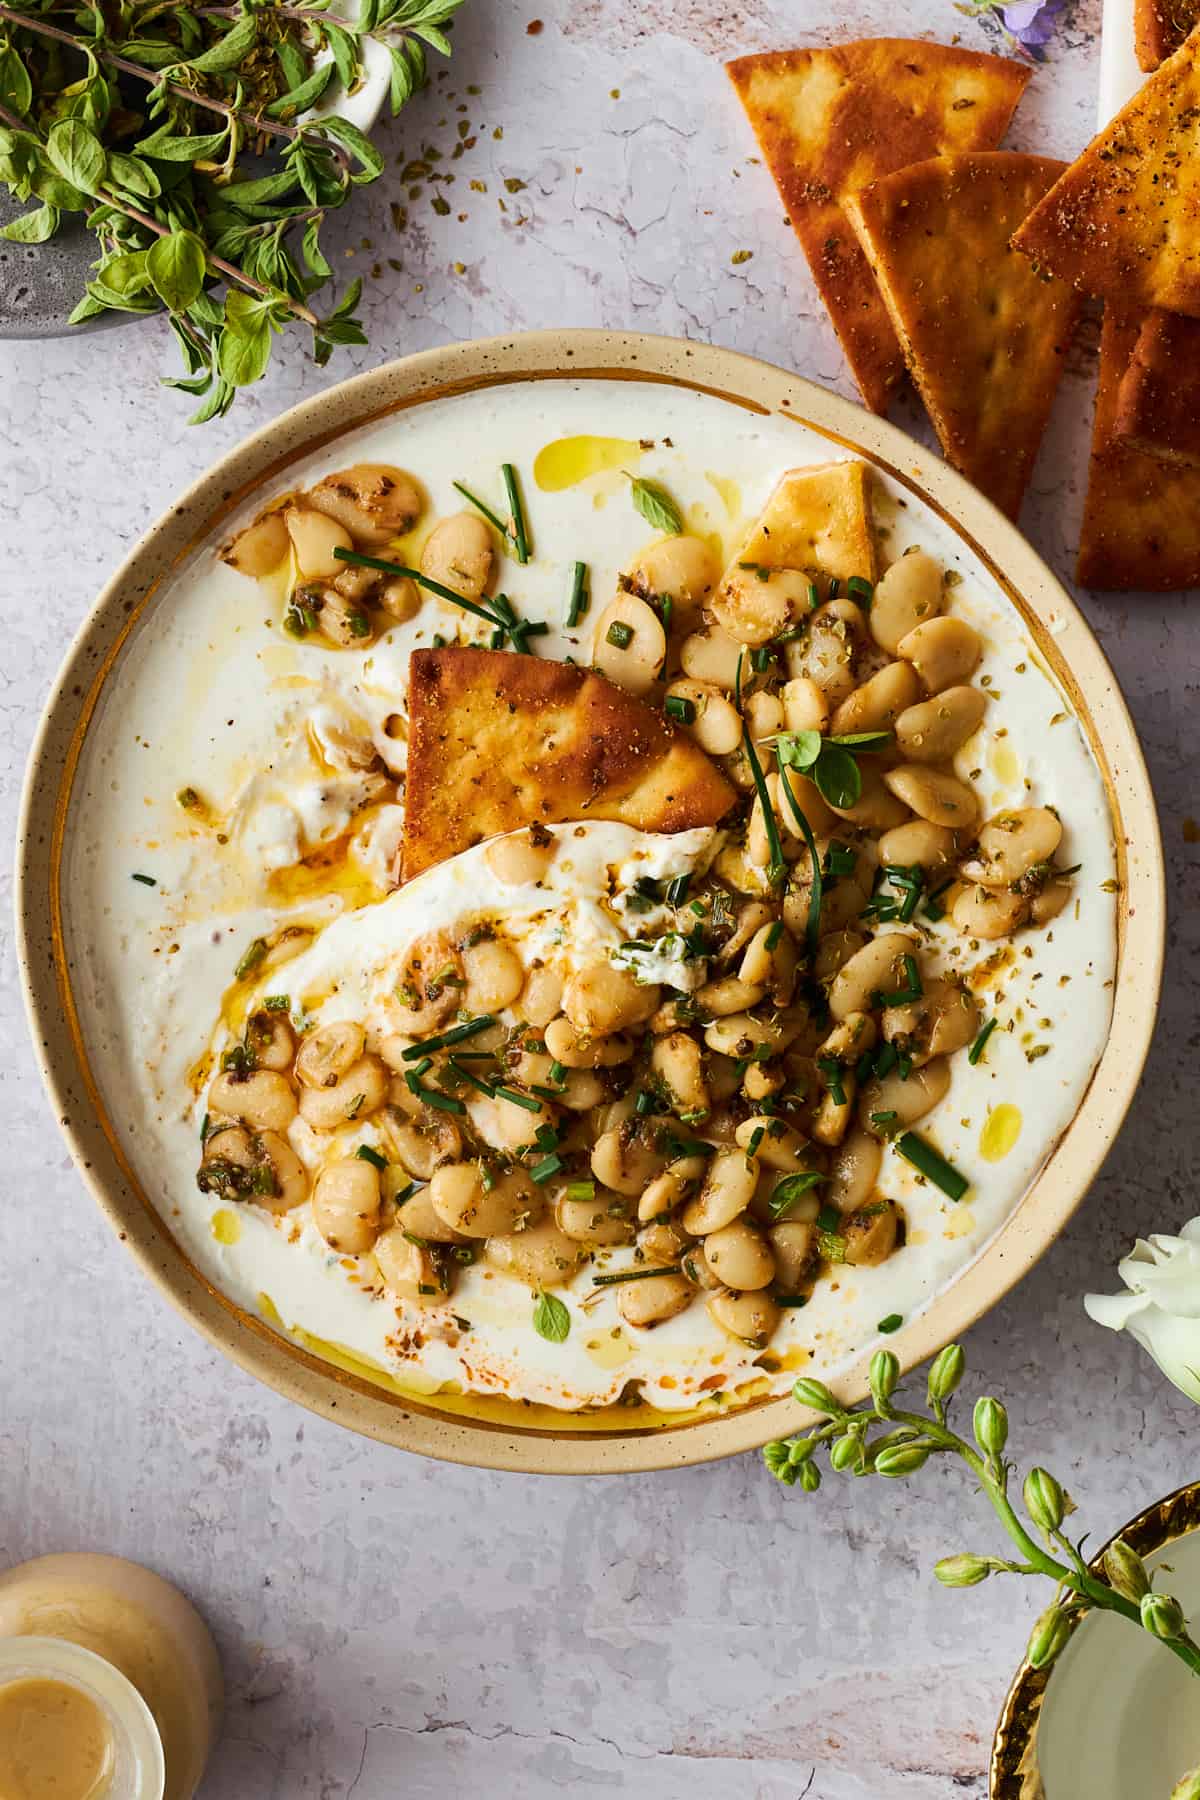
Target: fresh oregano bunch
point(879, 1438)
point(182, 133)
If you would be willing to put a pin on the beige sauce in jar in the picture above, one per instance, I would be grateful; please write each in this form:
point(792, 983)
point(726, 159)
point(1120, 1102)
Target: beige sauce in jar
point(55, 1743)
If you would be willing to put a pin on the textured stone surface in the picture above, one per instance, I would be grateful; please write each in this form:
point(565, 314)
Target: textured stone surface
point(391, 1627)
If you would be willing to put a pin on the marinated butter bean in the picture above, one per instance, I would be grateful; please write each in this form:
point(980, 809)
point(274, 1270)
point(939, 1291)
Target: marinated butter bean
point(355, 1095)
point(607, 1219)
point(541, 996)
point(494, 975)
point(409, 1271)
point(543, 1256)
point(831, 1121)
point(805, 707)
point(908, 1100)
point(327, 1053)
point(908, 593)
point(649, 1301)
point(264, 1100)
point(849, 1038)
point(314, 540)
point(576, 1050)
point(419, 1216)
point(933, 795)
point(342, 621)
point(259, 548)
point(599, 999)
point(794, 1246)
point(373, 501)
point(754, 605)
point(752, 1318)
point(683, 568)
point(463, 1199)
point(1050, 902)
point(870, 1237)
point(459, 554)
point(932, 730)
point(944, 1019)
point(663, 1243)
point(582, 1090)
point(716, 724)
point(1011, 844)
point(346, 1205)
point(776, 1145)
point(828, 651)
point(271, 1040)
point(877, 807)
point(421, 1143)
point(400, 598)
point(522, 857)
point(878, 703)
point(630, 645)
point(739, 1034)
point(853, 1171)
point(727, 1191)
point(677, 1062)
point(980, 912)
point(739, 1257)
point(770, 960)
point(763, 714)
point(626, 1159)
point(729, 994)
point(712, 656)
point(918, 845)
point(834, 952)
point(944, 652)
point(878, 968)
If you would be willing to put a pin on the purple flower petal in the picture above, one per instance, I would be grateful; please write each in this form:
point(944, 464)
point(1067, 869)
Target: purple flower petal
point(1031, 22)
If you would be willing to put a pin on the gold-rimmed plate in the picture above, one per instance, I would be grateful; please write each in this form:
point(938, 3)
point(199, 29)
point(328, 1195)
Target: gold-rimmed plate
point(507, 1434)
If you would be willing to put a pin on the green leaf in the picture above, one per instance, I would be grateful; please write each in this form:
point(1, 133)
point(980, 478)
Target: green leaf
point(219, 401)
point(799, 749)
point(266, 187)
point(837, 775)
point(789, 1190)
point(551, 1319)
point(244, 349)
point(32, 227)
point(51, 188)
point(16, 89)
point(152, 53)
point(77, 154)
point(359, 146)
point(301, 97)
point(134, 175)
point(344, 52)
point(656, 506)
point(291, 61)
point(404, 80)
point(88, 308)
point(310, 249)
point(437, 40)
point(228, 52)
point(167, 147)
point(176, 266)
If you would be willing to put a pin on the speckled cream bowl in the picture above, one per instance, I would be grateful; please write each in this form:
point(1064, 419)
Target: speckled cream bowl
point(1116, 1716)
point(513, 1435)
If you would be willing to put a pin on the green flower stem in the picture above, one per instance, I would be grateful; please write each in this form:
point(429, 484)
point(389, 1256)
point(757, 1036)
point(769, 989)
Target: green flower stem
point(994, 1485)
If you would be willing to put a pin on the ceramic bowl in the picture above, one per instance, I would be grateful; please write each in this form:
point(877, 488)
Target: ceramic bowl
point(1116, 1717)
point(512, 1435)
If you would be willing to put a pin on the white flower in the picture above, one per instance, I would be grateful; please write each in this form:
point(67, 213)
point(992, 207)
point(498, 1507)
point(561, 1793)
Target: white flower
point(1162, 1307)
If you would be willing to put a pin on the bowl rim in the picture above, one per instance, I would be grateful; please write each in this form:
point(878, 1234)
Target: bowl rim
point(1051, 616)
point(1012, 1768)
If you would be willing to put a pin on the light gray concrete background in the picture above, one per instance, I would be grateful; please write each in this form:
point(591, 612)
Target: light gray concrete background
point(394, 1628)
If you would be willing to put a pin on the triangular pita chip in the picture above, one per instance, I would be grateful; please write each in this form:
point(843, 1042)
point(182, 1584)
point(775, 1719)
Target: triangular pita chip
point(1141, 520)
point(984, 336)
point(818, 521)
point(1160, 26)
point(1158, 402)
point(498, 741)
point(1124, 221)
point(832, 120)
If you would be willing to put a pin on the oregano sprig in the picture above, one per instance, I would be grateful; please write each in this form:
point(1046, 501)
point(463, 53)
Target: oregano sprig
point(143, 117)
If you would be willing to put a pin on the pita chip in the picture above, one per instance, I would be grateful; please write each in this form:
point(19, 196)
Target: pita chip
point(1158, 401)
point(498, 741)
point(1141, 519)
point(1160, 26)
point(830, 121)
point(984, 336)
point(1124, 221)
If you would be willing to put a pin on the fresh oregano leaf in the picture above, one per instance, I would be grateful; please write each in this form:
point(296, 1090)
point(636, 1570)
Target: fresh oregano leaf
point(229, 51)
point(656, 506)
point(134, 175)
point(77, 154)
point(837, 775)
point(303, 95)
point(345, 55)
point(167, 146)
point(32, 227)
point(176, 266)
point(359, 146)
point(799, 749)
point(16, 89)
point(551, 1319)
point(786, 1192)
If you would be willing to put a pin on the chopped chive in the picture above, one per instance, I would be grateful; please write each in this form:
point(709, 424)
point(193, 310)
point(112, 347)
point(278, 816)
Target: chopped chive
point(146, 880)
point(840, 859)
point(277, 1003)
point(525, 1100)
point(480, 506)
point(580, 598)
point(421, 1068)
point(928, 1162)
point(886, 1058)
point(777, 868)
point(737, 682)
point(439, 1101)
point(678, 706)
point(619, 635)
point(829, 1219)
point(454, 1036)
point(545, 1170)
point(835, 587)
point(204, 1129)
point(404, 1193)
point(860, 591)
point(468, 1075)
point(558, 1073)
point(980, 1044)
point(893, 1322)
point(760, 659)
point(500, 614)
point(646, 1104)
point(251, 957)
point(677, 890)
point(365, 1153)
point(884, 1118)
point(581, 1190)
point(814, 596)
point(791, 1299)
point(633, 1275)
point(933, 908)
point(831, 1069)
point(912, 989)
point(812, 925)
point(520, 533)
point(774, 933)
